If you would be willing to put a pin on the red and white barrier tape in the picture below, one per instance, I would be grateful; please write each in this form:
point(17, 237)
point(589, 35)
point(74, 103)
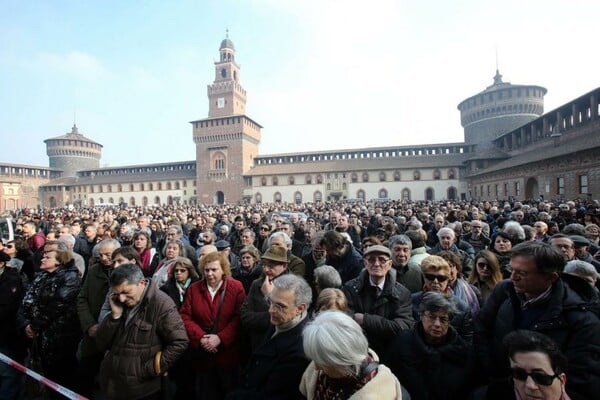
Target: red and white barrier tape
point(45, 381)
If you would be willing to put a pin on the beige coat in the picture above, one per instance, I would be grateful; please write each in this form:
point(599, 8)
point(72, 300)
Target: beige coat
point(383, 386)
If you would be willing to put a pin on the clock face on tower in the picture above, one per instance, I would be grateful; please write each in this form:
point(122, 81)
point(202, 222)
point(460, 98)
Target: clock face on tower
point(220, 102)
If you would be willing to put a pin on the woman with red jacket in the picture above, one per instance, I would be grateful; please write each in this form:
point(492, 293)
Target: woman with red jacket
point(211, 314)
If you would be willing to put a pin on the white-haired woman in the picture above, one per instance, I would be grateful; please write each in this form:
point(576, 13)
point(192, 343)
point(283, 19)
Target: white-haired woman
point(343, 366)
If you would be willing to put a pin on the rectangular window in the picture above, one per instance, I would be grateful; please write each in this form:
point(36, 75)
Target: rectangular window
point(506, 189)
point(583, 184)
point(560, 186)
point(517, 188)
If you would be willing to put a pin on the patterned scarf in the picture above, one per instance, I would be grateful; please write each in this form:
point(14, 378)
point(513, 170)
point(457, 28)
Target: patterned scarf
point(341, 388)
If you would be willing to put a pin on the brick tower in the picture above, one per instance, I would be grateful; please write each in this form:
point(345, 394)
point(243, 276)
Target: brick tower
point(227, 141)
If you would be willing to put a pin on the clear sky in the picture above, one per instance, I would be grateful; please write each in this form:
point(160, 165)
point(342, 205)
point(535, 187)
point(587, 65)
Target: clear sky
point(320, 74)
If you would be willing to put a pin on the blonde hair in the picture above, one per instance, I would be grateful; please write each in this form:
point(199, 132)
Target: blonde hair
point(331, 299)
point(435, 264)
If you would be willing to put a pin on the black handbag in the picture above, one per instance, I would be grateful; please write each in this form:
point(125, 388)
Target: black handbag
point(200, 354)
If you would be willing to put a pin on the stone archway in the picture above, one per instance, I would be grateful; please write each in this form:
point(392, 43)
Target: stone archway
point(220, 197)
point(532, 190)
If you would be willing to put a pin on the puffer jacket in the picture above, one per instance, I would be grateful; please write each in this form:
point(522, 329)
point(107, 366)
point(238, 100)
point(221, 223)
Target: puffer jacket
point(389, 314)
point(50, 307)
point(127, 371)
point(569, 316)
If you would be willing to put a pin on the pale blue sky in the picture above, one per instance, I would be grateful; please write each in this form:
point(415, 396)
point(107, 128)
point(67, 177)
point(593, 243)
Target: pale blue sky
point(320, 74)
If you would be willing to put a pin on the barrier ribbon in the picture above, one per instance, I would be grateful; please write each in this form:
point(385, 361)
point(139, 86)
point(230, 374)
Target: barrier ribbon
point(44, 381)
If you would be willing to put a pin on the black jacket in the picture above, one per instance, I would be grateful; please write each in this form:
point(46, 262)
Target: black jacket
point(348, 265)
point(11, 294)
point(384, 316)
point(432, 373)
point(275, 367)
point(50, 307)
point(569, 316)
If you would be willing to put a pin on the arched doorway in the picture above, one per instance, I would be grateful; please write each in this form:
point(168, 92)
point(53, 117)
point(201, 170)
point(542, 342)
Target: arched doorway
point(429, 194)
point(220, 197)
point(451, 193)
point(532, 190)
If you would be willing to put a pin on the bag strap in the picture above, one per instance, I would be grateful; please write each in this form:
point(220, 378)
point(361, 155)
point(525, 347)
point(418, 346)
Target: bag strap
point(216, 322)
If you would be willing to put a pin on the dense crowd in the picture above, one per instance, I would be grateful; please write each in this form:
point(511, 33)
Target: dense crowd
point(344, 300)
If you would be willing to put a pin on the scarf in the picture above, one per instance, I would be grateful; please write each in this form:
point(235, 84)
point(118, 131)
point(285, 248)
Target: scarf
point(145, 258)
point(463, 291)
point(182, 288)
point(341, 388)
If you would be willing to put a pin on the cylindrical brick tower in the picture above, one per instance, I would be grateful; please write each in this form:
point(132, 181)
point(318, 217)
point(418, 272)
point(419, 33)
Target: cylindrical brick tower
point(73, 152)
point(500, 108)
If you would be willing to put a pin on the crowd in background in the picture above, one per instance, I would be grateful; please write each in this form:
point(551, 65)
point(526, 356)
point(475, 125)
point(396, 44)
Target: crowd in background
point(421, 300)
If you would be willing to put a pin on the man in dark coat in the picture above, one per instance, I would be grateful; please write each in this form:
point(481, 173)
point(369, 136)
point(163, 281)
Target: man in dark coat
point(341, 255)
point(377, 302)
point(143, 322)
point(537, 298)
point(277, 364)
point(89, 303)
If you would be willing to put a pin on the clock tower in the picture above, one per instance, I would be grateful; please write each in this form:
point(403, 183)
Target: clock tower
point(227, 141)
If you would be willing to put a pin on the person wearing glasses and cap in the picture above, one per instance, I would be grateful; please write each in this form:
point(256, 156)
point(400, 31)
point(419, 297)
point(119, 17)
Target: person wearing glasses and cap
point(539, 298)
point(379, 304)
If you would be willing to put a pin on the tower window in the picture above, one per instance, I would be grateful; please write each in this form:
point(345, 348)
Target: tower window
point(223, 73)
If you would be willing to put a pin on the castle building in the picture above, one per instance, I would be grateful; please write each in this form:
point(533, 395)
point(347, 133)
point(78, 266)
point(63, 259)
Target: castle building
point(512, 149)
point(227, 141)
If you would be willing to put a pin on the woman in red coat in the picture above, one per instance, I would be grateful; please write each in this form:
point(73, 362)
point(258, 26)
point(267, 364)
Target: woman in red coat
point(211, 314)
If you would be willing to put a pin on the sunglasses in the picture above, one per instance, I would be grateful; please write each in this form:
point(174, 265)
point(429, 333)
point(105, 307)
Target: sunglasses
point(180, 271)
point(484, 266)
point(440, 278)
point(264, 228)
point(538, 377)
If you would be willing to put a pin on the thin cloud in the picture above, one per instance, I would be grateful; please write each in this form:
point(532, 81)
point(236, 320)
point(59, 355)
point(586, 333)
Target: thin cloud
point(77, 64)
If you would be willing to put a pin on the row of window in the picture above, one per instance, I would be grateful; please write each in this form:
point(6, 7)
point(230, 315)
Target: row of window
point(582, 183)
point(362, 155)
point(131, 187)
point(437, 174)
point(429, 194)
point(142, 170)
point(26, 171)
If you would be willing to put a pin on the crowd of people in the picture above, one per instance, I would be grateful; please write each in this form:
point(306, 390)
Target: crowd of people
point(336, 300)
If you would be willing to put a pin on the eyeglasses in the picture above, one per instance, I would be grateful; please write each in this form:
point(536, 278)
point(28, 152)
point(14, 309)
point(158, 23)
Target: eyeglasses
point(277, 306)
point(265, 228)
point(180, 271)
point(440, 278)
point(538, 377)
point(381, 260)
point(270, 265)
point(483, 265)
point(433, 318)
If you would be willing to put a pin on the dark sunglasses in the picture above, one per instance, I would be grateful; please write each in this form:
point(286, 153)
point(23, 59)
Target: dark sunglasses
point(440, 278)
point(264, 228)
point(181, 271)
point(484, 266)
point(538, 377)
